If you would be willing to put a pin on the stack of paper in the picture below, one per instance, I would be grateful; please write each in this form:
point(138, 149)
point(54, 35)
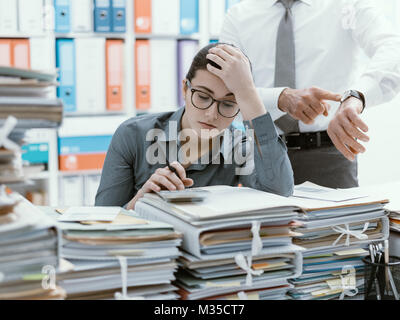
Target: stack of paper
point(336, 228)
point(114, 254)
point(325, 273)
point(391, 191)
point(25, 94)
point(223, 279)
point(10, 166)
point(237, 239)
point(29, 251)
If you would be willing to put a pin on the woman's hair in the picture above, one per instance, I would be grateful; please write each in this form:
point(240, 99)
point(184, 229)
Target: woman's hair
point(200, 61)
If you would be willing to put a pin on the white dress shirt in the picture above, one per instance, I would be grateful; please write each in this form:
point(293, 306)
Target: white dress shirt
point(330, 38)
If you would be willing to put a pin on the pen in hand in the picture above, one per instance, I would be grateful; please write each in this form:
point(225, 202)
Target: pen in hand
point(171, 167)
point(181, 174)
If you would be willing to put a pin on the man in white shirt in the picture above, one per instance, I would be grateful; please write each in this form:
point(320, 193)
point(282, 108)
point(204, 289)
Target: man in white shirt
point(316, 45)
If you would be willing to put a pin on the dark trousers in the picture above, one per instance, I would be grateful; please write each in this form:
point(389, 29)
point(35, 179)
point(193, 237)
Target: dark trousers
point(324, 166)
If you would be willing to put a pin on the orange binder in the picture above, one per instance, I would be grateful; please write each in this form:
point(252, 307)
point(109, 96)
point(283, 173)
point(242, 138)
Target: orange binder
point(114, 74)
point(76, 162)
point(5, 52)
point(143, 16)
point(21, 57)
point(143, 75)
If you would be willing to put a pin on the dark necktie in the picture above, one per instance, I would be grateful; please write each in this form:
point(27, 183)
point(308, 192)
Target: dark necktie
point(285, 69)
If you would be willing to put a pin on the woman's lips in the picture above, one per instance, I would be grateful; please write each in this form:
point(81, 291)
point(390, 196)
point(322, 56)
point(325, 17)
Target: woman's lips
point(207, 126)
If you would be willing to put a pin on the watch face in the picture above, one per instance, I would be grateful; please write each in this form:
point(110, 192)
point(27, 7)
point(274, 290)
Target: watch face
point(345, 96)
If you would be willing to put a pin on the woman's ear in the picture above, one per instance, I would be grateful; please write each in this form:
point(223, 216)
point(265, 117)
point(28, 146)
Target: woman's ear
point(184, 86)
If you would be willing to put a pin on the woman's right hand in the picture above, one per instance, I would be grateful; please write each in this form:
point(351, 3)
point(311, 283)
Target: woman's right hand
point(163, 179)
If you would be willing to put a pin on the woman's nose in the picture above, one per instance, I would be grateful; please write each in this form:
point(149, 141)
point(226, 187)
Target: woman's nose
point(212, 112)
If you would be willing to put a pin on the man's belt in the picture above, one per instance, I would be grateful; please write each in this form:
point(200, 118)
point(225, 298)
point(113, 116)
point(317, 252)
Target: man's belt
point(307, 140)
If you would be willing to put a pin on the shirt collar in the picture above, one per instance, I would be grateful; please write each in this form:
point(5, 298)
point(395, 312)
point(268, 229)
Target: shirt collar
point(270, 3)
point(177, 117)
point(174, 121)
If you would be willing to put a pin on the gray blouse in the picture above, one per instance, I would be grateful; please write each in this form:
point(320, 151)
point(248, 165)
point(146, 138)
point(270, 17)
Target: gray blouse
point(140, 145)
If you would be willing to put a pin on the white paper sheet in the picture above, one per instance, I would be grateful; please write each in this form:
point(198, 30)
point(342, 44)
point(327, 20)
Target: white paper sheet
point(313, 191)
point(78, 214)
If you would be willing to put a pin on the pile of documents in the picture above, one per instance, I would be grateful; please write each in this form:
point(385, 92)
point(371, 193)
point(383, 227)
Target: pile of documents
point(109, 252)
point(10, 152)
point(12, 170)
point(325, 273)
point(237, 242)
point(394, 217)
point(29, 251)
point(391, 191)
point(26, 95)
point(336, 227)
point(25, 103)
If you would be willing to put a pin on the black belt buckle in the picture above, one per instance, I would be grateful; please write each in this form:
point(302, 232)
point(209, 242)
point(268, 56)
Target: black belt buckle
point(290, 142)
point(303, 141)
point(312, 140)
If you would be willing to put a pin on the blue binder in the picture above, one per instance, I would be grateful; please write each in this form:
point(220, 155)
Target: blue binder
point(62, 14)
point(118, 15)
point(83, 144)
point(189, 19)
point(65, 61)
point(102, 15)
point(230, 3)
point(35, 153)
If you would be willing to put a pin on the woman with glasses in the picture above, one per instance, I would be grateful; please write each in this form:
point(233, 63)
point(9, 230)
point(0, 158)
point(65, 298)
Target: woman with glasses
point(197, 145)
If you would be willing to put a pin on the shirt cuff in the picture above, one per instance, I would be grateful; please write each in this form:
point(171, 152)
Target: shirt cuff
point(370, 89)
point(264, 128)
point(270, 97)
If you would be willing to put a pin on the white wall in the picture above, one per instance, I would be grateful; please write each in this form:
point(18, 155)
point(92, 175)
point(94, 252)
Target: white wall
point(380, 163)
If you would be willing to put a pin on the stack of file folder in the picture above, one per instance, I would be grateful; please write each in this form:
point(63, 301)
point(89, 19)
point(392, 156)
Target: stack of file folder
point(395, 221)
point(29, 251)
point(323, 271)
point(237, 239)
point(394, 217)
point(391, 191)
point(335, 231)
point(26, 95)
point(119, 257)
point(11, 170)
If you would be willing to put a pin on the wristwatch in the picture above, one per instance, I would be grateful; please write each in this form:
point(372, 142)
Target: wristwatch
point(355, 94)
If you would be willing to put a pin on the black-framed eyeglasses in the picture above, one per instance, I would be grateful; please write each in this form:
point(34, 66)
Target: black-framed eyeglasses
point(202, 100)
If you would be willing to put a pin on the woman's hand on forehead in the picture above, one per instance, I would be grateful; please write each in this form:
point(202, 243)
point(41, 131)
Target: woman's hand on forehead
point(236, 73)
point(235, 67)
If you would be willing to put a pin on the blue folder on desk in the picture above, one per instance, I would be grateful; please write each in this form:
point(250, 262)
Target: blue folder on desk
point(118, 15)
point(62, 13)
point(102, 15)
point(65, 61)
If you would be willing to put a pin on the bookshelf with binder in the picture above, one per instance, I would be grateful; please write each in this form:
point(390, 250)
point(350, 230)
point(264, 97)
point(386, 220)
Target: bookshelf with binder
point(117, 47)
